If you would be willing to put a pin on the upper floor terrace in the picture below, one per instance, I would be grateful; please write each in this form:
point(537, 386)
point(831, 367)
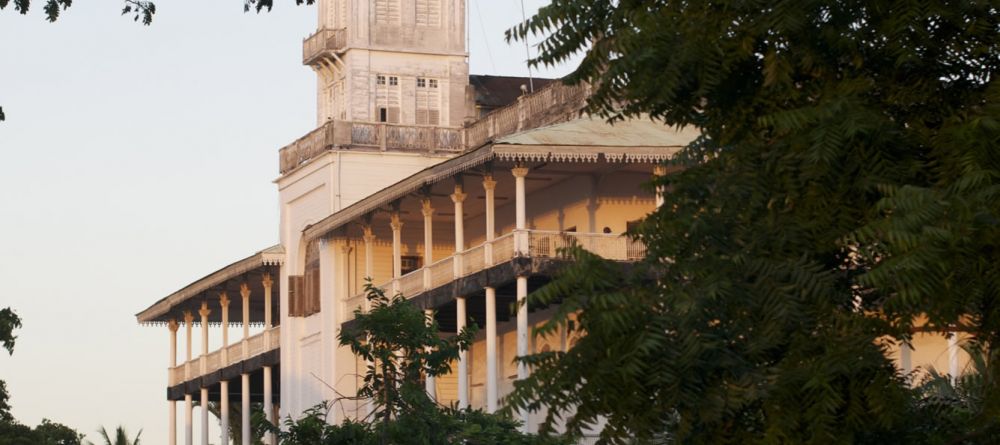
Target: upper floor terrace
point(247, 287)
point(552, 104)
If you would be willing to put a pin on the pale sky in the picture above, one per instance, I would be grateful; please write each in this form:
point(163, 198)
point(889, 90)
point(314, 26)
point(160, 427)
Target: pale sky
point(136, 160)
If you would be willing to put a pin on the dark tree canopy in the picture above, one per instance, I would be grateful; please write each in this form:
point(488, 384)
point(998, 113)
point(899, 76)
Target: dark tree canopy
point(846, 183)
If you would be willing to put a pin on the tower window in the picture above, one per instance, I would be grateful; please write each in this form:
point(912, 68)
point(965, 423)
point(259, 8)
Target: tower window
point(428, 107)
point(387, 12)
point(428, 12)
point(387, 98)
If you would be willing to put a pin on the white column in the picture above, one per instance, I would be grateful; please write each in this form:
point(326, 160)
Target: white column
point(188, 420)
point(429, 383)
point(369, 238)
point(658, 171)
point(245, 295)
point(224, 410)
point(491, 350)
point(268, 404)
point(520, 216)
point(267, 282)
point(428, 212)
point(522, 339)
point(188, 325)
point(172, 405)
point(458, 198)
point(489, 185)
point(224, 307)
point(905, 359)
point(397, 250)
point(245, 408)
point(204, 312)
point(463, 356)
point(953, 349)
point(204, 416)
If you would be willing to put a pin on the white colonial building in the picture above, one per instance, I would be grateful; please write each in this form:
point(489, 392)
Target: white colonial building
point(453, 190)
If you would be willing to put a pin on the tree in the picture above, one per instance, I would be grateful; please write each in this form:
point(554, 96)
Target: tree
point(258, 421)
point(51, 433)
point(845, 183)
point(403, 345)
point(120, 437)
point(9, 321)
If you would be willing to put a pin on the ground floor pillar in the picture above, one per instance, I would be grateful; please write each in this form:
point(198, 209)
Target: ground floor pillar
point(188, 420)
point(245, 408)
point(172, 423)
point(491, 350)
point(224, 410)
point(268, 403)
point(463, 356)
point(522, 339)
point(204, 416)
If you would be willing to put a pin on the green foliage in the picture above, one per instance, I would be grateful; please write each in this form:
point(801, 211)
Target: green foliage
point(46, 433)
point(258, 421)
point(120, 437)
point(51, 433)
point(845, 183)
point(8, 322)
point(428, 426)
point(401, 345)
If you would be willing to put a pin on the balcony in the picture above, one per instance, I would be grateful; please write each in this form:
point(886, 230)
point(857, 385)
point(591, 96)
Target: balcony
point(254, 346)
point(553, 104)
point(539, 244)
point(321, 42)
point(361, 135)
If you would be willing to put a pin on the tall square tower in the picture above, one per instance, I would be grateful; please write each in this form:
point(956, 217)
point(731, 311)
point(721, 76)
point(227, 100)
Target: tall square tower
point(390, 61)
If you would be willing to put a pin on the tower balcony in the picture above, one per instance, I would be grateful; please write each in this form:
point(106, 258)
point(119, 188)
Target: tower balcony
point(322, 43)
point(369, 136)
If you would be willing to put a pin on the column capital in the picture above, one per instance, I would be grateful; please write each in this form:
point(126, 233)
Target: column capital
point(172, 325)
point(395, 222)
point(266, 281)
point(204, 311)
point(346, 248)
point(245, 291)
point(369, 235)
point(489, 183)
point(188, 317)
point(519, 171)
point(659, 170)
point(458, 196)
point(223, 300)
point(426, 208)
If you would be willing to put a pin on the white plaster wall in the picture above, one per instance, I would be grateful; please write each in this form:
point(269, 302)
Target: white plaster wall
point(307, 195)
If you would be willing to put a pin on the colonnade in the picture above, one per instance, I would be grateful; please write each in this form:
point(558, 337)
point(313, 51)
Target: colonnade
point(204, 313)
point(521, 246)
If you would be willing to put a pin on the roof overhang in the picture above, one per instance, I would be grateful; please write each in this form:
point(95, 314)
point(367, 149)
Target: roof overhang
point(586, 139)
point(222, 280)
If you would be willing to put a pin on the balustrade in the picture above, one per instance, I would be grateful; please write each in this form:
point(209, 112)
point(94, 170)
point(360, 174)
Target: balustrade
point(554, 103)
point(257, 344)
point(540, 244)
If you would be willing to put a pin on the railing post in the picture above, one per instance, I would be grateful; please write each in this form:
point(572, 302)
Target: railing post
point(381, 136)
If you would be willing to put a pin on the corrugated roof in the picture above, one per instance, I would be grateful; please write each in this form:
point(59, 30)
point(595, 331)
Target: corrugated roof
point(597, 132)
point(274, 255)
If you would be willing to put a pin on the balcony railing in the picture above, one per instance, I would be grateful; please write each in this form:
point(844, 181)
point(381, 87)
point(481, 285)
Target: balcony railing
point(323, 40)
point(539, 244)
point(368, 135)
point(552, 104)
point(198, 366)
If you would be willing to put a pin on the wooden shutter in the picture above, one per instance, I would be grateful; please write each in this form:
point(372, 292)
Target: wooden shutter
point(295, 287)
